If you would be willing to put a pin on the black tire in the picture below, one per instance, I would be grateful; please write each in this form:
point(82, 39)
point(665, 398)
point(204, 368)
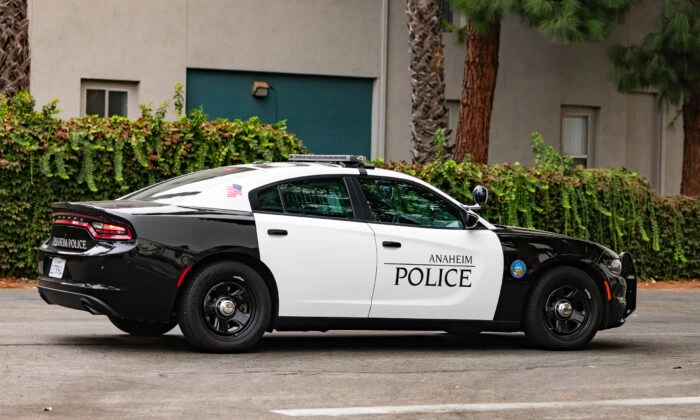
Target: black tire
point(225, 308)
point(141, 328)
point(564, 310)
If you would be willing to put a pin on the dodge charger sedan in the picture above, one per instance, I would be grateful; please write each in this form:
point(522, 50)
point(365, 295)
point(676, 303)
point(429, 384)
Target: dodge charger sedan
point(319, 243)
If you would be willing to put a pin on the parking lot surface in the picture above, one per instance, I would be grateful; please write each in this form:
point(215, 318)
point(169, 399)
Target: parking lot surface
point(61, 363)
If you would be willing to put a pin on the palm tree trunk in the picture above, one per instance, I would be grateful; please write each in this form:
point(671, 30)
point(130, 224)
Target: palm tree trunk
point(479, 85)
point(427, 72)
point(690, 178)
point(14, 47)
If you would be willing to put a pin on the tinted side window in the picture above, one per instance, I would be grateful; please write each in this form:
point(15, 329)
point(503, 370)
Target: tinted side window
point(393, 201)
point(269, 200)
point(315, 197)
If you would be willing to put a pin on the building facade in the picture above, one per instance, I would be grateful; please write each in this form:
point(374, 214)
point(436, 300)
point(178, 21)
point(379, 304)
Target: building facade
point(337, 71)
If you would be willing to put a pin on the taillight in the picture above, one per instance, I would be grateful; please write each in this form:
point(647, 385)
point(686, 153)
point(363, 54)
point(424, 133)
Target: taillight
point(98, 228)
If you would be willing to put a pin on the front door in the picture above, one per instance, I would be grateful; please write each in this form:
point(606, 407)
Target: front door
point(429, 266)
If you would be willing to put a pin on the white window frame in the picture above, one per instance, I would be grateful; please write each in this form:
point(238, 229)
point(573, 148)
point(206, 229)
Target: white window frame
point(130, 87)
point(591, 114)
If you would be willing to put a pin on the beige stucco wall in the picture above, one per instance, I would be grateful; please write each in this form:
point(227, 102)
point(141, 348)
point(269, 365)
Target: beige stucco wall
point(154, 42)
point(129, 40)
point(329, 37)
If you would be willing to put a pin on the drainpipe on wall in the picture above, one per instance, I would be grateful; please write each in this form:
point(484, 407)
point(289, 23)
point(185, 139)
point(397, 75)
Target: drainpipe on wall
point(379, 124)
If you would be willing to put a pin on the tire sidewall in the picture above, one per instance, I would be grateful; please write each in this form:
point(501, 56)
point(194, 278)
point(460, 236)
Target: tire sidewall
point(191, 317)
point(535, 324)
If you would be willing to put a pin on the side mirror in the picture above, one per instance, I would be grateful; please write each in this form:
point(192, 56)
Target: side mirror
point(470, 219)
point(480, 195)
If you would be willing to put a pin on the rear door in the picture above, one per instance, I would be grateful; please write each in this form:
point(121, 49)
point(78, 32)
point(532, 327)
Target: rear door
point(323, 260)
point(429, 266)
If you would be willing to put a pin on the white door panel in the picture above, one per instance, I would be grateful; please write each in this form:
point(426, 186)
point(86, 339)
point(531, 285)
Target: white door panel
point(436, 273)
point(323, 267)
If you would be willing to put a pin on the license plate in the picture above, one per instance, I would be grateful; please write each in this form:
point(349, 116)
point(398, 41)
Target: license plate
point(57, 266)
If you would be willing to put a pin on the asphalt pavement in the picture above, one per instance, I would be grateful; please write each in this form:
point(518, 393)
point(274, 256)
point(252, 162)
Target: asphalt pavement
point(61, 363)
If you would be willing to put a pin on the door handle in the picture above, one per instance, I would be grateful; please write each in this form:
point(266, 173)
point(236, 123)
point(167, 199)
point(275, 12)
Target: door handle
point(391, 244)
point(277, 232)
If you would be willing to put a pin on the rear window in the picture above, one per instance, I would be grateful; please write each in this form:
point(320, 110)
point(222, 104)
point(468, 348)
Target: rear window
point(185, 185)
point(312, 197)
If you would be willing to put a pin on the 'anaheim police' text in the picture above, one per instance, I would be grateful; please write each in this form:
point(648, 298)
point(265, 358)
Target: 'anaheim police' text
point(441, 270)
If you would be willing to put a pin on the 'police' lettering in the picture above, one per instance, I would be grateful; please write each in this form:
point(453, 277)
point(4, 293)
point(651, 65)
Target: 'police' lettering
point(69, 243)
point(417, 276)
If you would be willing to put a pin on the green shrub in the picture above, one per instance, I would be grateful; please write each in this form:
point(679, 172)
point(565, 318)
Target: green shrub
point(614, 207)
point(44, 159)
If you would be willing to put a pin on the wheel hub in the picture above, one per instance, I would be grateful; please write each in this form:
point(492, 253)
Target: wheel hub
point(563, 309)
point(225, 307)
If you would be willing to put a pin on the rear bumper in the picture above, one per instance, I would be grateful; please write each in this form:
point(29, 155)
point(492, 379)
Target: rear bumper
point(76, 301)
point(123, 283)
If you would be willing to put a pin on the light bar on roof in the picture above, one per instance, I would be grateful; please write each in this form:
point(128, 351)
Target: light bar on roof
point(328, 158)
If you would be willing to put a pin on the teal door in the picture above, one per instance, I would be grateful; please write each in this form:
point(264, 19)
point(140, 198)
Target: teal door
point(331, 115)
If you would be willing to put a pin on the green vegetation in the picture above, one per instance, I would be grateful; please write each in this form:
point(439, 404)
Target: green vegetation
point(44, 159)
point(614, 207)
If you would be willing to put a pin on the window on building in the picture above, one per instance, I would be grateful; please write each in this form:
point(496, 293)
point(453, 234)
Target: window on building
point(577, 133)
point(107, 98)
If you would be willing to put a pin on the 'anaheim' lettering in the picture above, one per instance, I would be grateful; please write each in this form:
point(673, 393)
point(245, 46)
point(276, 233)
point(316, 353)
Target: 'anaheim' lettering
point(449, 259)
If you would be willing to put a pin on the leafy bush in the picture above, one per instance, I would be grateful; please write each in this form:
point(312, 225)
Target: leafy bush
point(44, 159)
point(614, 207)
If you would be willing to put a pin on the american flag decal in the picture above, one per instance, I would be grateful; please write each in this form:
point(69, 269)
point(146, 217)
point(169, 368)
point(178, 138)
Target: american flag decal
point(234, 190)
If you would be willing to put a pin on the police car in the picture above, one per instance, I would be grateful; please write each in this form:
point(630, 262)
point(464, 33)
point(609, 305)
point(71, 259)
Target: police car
point(321, 243)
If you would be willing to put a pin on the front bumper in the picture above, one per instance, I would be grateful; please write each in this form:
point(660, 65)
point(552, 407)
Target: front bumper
point(624, 293)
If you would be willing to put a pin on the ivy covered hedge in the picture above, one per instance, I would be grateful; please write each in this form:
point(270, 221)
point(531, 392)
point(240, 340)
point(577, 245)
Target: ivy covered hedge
point(44, 159)
point(614, 207)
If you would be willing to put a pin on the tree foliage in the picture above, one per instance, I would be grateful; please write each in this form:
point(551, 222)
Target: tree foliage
point(669, 61)
point(573, 21)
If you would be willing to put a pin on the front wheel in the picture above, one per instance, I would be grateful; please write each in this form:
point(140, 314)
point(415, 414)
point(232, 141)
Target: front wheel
point(224, 308)
point(564, 310)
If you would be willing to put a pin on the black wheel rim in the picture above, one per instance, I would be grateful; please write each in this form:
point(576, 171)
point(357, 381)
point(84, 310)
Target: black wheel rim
point(228, 308)
point(567, 310)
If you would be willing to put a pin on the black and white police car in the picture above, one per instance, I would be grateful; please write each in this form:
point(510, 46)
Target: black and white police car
point(232, 252)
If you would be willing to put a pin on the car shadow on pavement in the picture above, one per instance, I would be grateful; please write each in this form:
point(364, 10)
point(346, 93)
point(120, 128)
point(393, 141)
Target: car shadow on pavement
point(351, 341)
point(280, 342)
point(130, 343)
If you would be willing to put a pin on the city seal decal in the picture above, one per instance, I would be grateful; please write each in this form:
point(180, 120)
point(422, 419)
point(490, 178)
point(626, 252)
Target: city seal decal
point(518, 269)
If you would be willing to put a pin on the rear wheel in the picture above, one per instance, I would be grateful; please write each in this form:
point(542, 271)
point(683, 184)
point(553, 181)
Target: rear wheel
point(564, 310)
point(225, 308)
point(141, 328)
